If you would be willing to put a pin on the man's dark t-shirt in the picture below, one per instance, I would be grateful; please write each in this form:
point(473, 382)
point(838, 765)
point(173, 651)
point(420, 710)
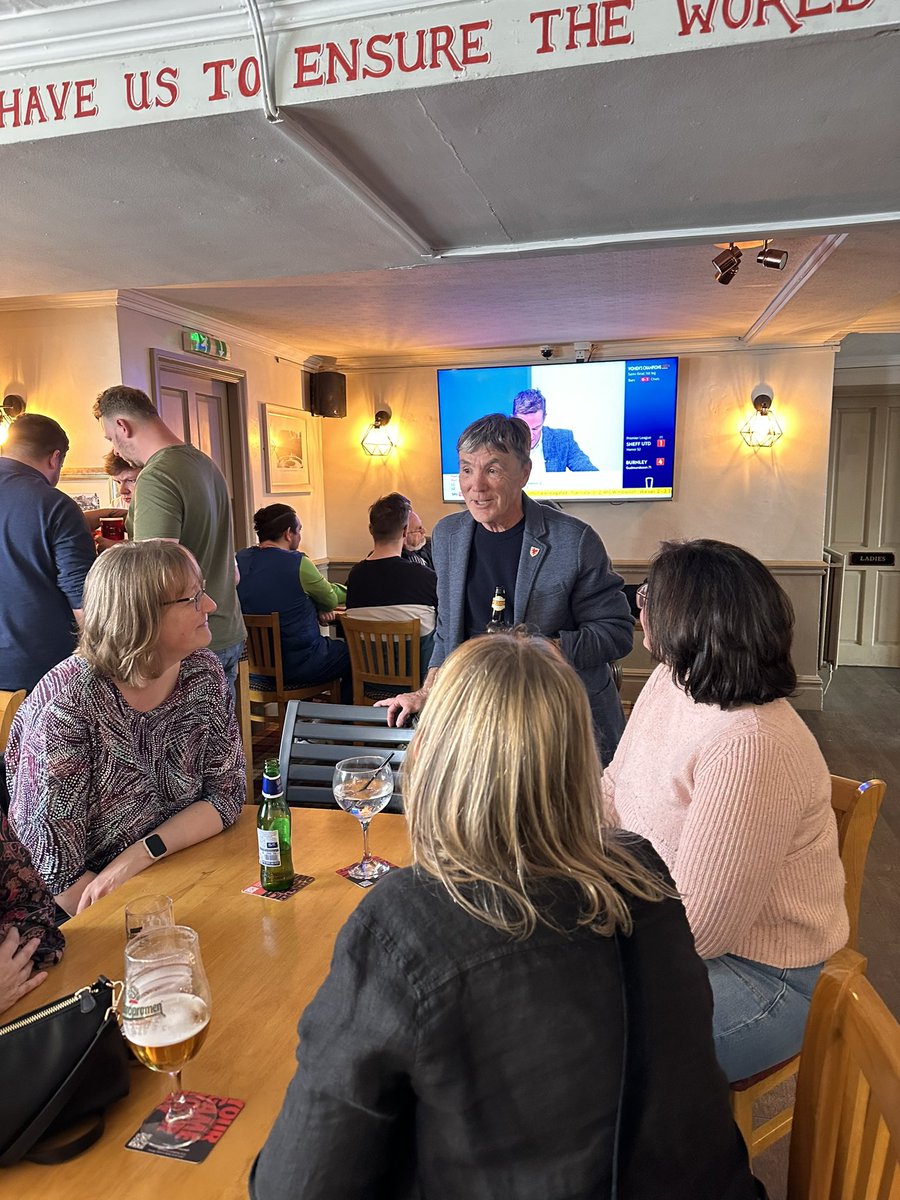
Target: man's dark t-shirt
point(493, 563)
point(381, 582)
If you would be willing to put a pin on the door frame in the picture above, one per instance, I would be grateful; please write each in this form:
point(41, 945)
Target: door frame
point(848, 391)
point(235, 382)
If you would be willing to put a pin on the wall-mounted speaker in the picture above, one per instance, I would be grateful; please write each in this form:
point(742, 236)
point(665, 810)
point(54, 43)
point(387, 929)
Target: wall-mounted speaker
point(328, 393)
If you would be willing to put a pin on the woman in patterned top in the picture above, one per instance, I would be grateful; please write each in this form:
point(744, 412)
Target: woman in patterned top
point(129, 750)
point(29, 939)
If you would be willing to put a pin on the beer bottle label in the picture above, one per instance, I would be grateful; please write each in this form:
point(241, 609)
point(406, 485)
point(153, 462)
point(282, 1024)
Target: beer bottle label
point(498, 604)
point(269, 848)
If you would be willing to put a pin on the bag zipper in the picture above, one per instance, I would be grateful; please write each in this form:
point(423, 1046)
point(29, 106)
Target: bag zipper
point(60, 1006)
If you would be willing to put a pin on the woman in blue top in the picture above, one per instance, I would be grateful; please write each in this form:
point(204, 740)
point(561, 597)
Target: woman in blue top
point(277, 577)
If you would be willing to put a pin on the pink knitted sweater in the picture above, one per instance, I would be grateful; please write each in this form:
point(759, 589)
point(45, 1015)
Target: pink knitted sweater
point(737, 804)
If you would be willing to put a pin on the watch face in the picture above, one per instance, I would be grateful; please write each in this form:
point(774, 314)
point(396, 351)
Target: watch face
point(155, 845)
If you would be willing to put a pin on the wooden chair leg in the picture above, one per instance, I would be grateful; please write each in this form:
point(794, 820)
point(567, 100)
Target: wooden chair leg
point(742, 1111)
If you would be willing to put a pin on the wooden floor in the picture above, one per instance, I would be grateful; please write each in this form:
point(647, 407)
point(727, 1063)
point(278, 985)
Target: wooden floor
point(859, 735)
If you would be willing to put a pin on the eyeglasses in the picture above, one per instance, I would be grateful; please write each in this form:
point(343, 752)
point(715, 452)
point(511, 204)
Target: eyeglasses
point(196, 600)
point(641, 595)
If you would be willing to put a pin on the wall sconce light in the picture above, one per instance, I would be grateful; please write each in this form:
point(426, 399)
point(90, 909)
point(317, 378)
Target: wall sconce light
point(377, 440)
point(762, 430)
point(13, 406)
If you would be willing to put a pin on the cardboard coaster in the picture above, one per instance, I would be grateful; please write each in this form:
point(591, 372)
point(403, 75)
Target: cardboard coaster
point(300, 882)
point(367, 883)
point(191, 1140)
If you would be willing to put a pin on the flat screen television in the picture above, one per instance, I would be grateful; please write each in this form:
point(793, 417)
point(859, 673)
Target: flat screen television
point(608, 432)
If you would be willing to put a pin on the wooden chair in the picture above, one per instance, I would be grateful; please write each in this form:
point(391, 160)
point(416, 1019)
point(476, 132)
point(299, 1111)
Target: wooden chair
point(856, 807)
point(846, 1138)
point(242, 712)
point(383, 654)
point(264, 659)
point(9, 706)
point(315, 738)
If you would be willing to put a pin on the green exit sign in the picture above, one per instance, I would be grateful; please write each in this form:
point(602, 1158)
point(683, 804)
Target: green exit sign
point(202, 343)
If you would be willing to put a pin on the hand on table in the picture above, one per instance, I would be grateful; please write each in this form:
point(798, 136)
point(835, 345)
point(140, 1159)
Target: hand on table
point(125, 865)
point(18, 976)
point(328, 618)
point(401, 707)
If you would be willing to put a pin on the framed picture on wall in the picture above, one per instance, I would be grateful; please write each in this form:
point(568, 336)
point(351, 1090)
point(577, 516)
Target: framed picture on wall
point(89, 487)
point(285, 449)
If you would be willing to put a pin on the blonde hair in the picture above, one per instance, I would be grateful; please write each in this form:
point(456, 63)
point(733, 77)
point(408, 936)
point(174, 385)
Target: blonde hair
point(502, 790)
point(124, 597)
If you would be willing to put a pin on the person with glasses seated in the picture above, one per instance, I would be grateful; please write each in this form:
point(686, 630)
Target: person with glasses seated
point(129, 750)
point(718, 771)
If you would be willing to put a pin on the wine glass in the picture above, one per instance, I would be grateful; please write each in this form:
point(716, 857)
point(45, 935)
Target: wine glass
point(363, 786)
point(166, 1010)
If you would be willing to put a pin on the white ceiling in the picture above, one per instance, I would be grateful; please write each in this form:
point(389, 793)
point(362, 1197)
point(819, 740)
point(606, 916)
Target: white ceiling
point(647, 161)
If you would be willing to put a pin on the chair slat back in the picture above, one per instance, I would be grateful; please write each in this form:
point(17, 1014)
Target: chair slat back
point(9, 706)
point(846, 1135)
point(264, 646)
point(856, 806)
point(385, 653)
point(310, 748)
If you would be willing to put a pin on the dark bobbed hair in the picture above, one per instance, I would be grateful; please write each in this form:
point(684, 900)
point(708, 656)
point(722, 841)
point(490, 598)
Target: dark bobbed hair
point(389, 516)
point(508, 435)
point(123, 401)
point(717, 618)
point(530, 401)
point(36, 436)
point(272, 521)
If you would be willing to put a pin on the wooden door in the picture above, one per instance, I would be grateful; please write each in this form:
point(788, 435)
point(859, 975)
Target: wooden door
point(206, 405)
point(864, 516)
point(197, 410)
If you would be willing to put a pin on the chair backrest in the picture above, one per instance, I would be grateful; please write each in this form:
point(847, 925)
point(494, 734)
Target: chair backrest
point(242, 712)
point(315, 738)
point(846, 1136)
point(856, 808)
point(9, 706)
point(264, 646)
point(385, 653)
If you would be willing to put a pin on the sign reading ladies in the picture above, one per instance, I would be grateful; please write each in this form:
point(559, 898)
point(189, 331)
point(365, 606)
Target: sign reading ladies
point(190, 73)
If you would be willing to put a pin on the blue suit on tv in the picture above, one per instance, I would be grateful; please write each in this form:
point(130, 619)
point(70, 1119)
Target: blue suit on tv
point(562, 452)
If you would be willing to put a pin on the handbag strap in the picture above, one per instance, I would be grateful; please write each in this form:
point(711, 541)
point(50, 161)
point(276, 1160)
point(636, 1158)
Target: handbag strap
point(32, 1133)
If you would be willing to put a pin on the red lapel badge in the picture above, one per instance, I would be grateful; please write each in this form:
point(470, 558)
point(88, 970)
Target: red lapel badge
point(534, 551)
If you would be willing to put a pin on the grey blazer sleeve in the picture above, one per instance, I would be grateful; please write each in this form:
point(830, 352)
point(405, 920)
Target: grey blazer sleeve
point(603, 624)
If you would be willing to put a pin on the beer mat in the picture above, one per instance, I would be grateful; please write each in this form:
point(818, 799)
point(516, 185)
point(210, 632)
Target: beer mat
point(190, 1140)
point(300, 882)
point(367, 883)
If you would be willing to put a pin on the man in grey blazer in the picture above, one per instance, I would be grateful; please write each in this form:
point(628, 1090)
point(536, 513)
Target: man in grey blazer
point(554, 568)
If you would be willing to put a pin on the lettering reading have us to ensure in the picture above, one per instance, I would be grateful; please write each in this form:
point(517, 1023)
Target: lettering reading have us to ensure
point(441, 48)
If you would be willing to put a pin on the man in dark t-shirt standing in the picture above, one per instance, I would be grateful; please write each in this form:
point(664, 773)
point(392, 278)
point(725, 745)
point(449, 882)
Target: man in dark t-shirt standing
point(386, 586)
point(555, 569)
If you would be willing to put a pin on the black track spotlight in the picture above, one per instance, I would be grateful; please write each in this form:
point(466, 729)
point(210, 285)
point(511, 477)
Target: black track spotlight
point(770, 257)
point(727, 264)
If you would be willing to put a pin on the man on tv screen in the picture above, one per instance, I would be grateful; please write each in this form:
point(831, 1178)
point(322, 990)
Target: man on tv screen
point(551, 449)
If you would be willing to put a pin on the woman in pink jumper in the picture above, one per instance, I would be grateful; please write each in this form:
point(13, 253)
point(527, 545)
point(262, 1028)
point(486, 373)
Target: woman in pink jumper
point(721, 775)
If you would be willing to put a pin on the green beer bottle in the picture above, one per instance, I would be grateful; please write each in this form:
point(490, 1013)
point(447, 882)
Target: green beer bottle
point(273, 832)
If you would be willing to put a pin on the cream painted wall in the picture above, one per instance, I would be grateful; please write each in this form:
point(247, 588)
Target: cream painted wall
point(59, 359)
point(268, 382)
point(771, 502)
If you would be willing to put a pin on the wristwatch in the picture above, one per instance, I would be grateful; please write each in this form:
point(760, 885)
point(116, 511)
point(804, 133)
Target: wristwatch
point(154, 845)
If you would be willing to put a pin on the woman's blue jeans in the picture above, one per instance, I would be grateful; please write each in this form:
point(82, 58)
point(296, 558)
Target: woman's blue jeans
point(759, 1012)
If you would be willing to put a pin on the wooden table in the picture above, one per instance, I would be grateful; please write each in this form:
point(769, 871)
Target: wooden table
point(265, 960)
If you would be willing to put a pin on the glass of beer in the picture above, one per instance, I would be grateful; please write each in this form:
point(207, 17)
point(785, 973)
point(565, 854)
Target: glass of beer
point(166, 1010)
point(362, 786)
point(112, 528)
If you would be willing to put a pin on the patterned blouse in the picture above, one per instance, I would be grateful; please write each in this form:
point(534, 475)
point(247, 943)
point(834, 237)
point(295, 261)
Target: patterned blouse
point(24, 901)
point(89, 776)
